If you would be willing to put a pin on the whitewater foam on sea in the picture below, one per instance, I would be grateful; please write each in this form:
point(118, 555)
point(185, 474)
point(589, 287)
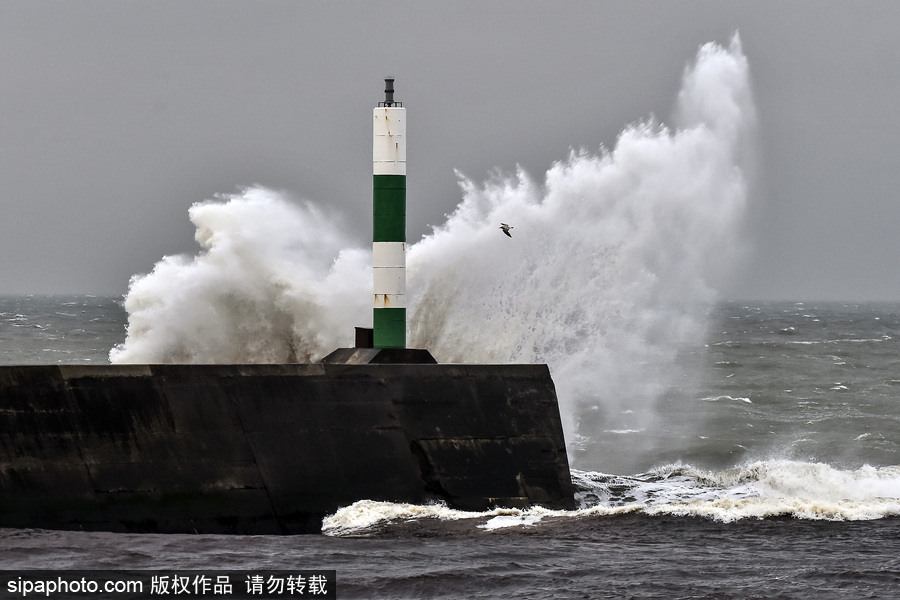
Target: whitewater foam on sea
point(615, 260)
point(766, 489)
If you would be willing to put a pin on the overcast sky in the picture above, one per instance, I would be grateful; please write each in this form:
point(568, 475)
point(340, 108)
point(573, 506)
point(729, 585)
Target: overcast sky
point(116, 116)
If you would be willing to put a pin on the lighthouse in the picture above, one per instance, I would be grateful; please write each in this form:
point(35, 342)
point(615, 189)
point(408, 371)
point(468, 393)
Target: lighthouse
point(385, 341)
point(389, 221)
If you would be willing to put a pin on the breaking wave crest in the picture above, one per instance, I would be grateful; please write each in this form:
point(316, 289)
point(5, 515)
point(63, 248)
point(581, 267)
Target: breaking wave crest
point(760, 490)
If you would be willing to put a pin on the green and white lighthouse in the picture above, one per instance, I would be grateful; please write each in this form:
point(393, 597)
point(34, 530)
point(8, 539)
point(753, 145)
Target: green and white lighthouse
point(389, 221)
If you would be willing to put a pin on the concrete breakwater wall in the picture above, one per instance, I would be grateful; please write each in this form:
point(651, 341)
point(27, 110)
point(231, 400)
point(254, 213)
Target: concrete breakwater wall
point(270, 448)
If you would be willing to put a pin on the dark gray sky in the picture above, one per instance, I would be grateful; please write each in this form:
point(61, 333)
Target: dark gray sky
point(116, 116)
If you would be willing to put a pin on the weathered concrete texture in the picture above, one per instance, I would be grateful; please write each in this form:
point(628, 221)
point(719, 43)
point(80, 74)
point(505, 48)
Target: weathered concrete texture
point(362, 356)
point(270, 448)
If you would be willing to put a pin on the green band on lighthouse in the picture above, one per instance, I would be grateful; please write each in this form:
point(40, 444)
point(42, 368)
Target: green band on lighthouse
point(389, 208)
point(390, 327)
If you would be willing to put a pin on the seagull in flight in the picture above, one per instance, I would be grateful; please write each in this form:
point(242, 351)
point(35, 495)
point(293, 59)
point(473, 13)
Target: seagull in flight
point(506, 229)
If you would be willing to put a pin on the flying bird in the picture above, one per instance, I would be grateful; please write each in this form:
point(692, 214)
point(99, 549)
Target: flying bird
point(506, 229)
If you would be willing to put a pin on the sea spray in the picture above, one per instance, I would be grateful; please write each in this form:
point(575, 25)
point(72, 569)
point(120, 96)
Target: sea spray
point(612, 265)
point(273, 283)
point(614, 257)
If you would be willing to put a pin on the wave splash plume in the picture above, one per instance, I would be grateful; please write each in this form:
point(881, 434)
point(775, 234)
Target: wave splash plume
point(614, 258)
point(274, 283)
point(613, 262)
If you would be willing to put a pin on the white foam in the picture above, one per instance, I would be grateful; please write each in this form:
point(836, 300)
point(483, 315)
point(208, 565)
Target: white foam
point(729, 510)
point(727, 399)
point(786, 479)
point(764, 489)
point(364, 516)
point(504, 521)
point(759, 486)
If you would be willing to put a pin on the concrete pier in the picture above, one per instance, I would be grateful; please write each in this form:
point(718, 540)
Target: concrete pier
point(261, 449)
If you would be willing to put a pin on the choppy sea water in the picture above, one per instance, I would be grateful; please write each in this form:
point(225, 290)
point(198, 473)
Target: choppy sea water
point(768, 469)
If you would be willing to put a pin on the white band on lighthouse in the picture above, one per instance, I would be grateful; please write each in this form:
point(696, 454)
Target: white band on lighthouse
point(389, 141)
point(389, 274)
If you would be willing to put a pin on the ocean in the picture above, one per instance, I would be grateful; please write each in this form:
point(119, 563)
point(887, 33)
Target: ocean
point(769, 470)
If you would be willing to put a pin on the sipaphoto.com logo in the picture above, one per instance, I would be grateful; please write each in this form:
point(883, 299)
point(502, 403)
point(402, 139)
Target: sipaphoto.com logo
point(62, 587)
